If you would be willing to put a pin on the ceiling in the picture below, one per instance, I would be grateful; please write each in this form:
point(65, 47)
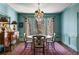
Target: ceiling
point(46, 7)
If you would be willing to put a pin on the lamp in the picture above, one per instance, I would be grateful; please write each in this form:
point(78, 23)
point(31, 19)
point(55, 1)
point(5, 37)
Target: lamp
point(14, 25)
point(39, 14)
point(4, 22)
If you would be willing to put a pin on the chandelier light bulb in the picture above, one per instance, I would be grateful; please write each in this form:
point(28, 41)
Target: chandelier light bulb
point(39, 14)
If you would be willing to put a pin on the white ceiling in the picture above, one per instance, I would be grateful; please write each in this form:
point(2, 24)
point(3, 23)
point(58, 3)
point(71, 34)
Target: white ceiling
point(46, 7)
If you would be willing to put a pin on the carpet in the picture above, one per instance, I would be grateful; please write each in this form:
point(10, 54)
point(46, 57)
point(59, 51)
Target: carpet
point(59, 50)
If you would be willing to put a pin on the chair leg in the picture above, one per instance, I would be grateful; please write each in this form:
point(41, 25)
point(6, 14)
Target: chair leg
point(32, 47)
point(53, 45)
point(48, 45)
point(43, 51)
point(34, 51)
point(25, 46)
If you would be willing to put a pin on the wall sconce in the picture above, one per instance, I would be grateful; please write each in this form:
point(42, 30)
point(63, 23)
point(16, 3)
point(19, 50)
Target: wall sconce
point(14, 25)
point(3, 22)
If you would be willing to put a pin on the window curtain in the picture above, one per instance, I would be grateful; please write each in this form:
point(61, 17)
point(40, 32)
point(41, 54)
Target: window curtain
point(40, 27)
point(27, 27)
point(50, 27)
point(46, 26)
point(32, 26)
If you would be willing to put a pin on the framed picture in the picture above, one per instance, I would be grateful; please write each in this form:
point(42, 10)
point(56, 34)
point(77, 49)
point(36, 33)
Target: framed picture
point(20, 24)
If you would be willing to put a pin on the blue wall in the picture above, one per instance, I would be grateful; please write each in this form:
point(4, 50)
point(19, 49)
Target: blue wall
point(3, 9)
point(46, 18)
point(69, 26)
point(78, 31)
point(6, 10)
point(12, 14)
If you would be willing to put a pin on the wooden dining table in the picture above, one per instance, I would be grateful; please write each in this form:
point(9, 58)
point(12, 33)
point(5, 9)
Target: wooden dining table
point(39, 41)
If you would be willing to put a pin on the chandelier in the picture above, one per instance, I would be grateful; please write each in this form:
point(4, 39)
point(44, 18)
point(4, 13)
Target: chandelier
point(39, 14)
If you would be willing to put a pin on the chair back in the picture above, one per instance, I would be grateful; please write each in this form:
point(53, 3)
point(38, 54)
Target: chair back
point(53, 37)
point(38, 41)
point(25, 38)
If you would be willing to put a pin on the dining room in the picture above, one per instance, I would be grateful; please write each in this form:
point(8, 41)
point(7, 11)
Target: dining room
point(39, 29)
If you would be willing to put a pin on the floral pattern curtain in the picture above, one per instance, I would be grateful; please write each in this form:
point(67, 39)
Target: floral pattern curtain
point(50, 27)
point(27, 27)
point(46, 26)
point(40, 27)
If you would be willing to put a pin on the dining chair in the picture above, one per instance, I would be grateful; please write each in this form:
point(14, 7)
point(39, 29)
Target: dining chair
point(38, 42)
point(27, 40)
point(50, 40)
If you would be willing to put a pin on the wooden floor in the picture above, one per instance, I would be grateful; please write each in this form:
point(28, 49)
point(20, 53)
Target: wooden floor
point(60, 49)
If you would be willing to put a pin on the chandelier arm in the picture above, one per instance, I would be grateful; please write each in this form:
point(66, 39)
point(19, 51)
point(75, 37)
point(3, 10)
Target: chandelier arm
point(38, 13)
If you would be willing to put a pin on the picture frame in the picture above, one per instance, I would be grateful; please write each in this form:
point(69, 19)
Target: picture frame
point(20, 24)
